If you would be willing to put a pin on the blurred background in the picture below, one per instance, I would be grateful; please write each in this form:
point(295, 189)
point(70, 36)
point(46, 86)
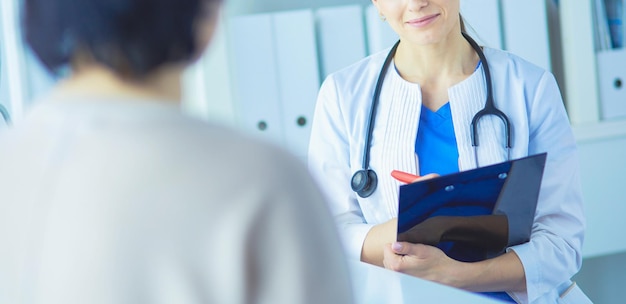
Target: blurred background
point(262, 72)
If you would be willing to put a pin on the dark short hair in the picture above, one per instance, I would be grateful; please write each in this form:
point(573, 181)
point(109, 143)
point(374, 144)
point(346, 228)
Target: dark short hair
point(132, 37)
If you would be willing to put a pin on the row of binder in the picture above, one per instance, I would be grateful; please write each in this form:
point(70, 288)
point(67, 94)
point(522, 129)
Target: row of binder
point(264, 70)
point(279, 60)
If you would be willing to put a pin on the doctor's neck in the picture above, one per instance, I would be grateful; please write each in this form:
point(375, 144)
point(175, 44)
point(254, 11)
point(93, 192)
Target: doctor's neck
point(96, 80)
point(452, 57)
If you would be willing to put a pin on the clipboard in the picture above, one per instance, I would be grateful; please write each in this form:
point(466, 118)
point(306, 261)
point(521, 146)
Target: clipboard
point(476, 214)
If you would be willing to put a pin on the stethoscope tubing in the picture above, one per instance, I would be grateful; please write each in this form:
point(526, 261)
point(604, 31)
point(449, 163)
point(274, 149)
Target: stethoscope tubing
point(489, 109)
point(375, 101)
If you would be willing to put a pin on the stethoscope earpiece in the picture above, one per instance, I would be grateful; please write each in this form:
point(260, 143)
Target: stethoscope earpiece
point(364, 182)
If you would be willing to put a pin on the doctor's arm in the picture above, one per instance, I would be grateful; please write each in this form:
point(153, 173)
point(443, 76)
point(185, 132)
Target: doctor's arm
point(554, 253)
point(329, 162)
point(376, 239)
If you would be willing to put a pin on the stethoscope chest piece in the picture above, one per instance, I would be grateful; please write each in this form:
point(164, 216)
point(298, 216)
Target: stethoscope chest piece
point(364, 182)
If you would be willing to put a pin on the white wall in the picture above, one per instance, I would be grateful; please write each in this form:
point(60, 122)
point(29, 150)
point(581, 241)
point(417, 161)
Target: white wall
point(603, 272)
point(602, 278)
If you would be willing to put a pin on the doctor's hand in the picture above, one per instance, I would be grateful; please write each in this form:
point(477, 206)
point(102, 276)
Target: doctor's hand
point(422, 261)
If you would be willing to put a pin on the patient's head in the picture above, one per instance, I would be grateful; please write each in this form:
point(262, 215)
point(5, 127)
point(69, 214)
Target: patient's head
point(130, 37)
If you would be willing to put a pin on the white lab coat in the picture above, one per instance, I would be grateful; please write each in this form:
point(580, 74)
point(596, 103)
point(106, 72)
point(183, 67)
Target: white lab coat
point(129, 201)
point(526, 93)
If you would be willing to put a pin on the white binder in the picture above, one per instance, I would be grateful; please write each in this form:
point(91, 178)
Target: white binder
point(612, 83)
point(525, 25)
point(341, 37)
point(298, 76)
point(207, 83)
point(255, 80)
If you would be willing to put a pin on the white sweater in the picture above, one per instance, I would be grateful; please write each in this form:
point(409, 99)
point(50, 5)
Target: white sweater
point(131, 202)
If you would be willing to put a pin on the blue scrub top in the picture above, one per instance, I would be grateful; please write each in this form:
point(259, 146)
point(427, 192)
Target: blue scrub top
point(435, 145)
point(436, 142)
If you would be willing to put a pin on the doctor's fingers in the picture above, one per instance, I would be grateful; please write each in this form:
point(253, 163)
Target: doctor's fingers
point(419, 251)
point(391, 260)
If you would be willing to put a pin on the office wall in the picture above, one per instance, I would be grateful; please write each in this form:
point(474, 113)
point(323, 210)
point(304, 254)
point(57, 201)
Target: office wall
point(602, 278)
point(603, 272)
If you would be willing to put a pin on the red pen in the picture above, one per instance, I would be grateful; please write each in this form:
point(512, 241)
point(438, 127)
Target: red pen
point(404, 176)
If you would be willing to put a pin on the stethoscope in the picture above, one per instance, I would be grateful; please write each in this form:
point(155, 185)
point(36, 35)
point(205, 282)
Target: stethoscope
point(364, 181)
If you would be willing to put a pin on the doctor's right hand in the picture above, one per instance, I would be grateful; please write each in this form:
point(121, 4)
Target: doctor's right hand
point(422, 261)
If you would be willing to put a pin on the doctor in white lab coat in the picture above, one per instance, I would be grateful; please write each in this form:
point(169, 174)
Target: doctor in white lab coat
point(436, 72)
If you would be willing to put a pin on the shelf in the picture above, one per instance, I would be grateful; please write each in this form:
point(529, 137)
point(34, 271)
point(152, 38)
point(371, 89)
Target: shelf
point(601, 130)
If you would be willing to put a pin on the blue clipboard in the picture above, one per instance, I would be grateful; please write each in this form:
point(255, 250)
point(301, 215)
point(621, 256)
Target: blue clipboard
point(475, 214)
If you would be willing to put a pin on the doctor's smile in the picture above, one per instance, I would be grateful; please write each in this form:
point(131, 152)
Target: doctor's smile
point(424, 21)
